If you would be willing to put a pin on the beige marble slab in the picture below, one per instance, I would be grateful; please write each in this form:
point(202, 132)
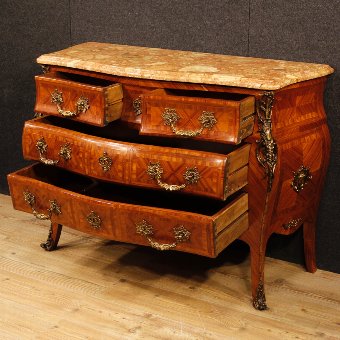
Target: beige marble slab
point(185, 66)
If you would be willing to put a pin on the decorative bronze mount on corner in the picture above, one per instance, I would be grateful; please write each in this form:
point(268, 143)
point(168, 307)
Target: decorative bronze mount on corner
point(266, 151)
point(301, 177)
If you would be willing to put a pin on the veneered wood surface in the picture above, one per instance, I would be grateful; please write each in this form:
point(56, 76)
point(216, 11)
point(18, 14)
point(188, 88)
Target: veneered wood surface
point(130, 161)
point(228, 110)
point(119, 220)
point(105, 102)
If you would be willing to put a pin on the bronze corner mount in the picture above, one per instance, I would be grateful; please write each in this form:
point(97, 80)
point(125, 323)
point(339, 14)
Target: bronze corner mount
point(266, 151)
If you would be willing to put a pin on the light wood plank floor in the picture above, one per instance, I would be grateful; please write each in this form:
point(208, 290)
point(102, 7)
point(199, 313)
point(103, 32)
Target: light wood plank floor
point(95, 289)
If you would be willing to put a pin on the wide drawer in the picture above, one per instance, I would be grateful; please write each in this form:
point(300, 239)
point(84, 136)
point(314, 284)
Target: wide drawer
point(89, 100)
point(218, 116)
point(80, 149)
point(126, 214)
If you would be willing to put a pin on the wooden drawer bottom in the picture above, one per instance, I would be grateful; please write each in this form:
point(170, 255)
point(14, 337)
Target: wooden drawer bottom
point(121, 213)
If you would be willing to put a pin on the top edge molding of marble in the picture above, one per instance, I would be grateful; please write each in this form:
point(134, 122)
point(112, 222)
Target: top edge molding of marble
point(185, 66)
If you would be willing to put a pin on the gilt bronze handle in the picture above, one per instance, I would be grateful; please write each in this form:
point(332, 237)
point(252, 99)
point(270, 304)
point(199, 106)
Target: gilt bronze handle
point(53, 209)
point(180, 234)
point(155, 171)
point(82, 104)
point(206, 119)
point(64, 152)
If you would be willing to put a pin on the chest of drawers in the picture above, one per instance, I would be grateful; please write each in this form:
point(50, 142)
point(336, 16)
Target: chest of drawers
point(176, 150)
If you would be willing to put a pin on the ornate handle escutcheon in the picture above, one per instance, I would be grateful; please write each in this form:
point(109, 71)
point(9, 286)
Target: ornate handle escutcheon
point(53, 209)
point(65, 152)
point(94, 220)
point(105, 162)
point(180, 234)
point(137, 106)
point(206, 119)
point(82, 104)
point(155, 171)
point(301, 177)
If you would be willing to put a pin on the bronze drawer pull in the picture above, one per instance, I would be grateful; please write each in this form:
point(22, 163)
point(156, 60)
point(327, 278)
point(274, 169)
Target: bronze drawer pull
point(65, 152)
point(82, 104)
point(155, 171)
point(54, 207)
point(94, 220)
point(180, 233)
point(170, 118)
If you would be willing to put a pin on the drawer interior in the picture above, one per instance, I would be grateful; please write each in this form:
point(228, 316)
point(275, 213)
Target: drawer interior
point(202, 94)
point(78, 78)
point(124, 194)
point(119, 132)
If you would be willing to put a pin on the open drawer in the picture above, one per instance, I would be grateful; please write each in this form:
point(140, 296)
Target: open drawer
point(89, 100)
point(199, 226)
point(211, 116)
point(87, 150)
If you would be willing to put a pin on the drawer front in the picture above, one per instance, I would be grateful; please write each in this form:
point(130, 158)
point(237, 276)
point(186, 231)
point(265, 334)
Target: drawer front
point(160, 228)
point(92, 104)
point(211, 119)
point(162, 168)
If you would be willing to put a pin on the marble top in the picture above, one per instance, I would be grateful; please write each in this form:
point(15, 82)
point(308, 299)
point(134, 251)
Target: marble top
point(185, 66)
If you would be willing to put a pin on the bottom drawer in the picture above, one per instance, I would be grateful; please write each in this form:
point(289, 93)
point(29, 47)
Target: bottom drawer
point(161, 220)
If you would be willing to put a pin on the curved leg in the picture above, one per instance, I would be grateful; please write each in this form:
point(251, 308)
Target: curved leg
point(53, 237)
point(257, 257)
point(309, 229)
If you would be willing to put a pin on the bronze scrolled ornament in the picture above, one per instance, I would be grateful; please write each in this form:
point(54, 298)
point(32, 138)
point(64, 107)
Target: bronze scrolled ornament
point(301, 177)
point(292, 224)
point(266, 151)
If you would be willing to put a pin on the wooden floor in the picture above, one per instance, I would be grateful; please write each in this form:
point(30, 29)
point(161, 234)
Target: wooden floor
point(96, 289)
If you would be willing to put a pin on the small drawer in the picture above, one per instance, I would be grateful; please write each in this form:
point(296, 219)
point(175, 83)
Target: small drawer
point(82, 149)
point(211, 116)
point(88, 100)
point(126, 214)
point(132, 103)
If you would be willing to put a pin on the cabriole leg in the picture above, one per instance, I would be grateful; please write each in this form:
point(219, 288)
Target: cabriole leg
point(53, 237)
